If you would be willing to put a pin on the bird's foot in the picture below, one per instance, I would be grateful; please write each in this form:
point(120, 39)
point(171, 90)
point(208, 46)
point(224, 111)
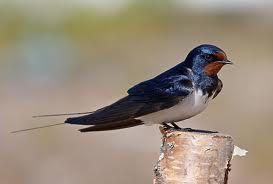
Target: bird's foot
point(166, 126)
point(176, 126)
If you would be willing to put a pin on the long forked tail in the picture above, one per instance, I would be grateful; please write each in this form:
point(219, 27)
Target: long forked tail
point(102, 124)
point(51, 125)
point(63, 114)
point(34, 128)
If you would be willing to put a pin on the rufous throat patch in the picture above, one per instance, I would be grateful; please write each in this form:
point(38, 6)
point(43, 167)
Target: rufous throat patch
point(213, 68)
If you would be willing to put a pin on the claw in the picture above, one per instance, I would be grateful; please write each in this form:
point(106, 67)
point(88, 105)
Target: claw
point(166, 126)
point(176, 126)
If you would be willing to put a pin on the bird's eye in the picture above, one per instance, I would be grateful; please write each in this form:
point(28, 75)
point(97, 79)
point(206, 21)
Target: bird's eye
point(208, 57)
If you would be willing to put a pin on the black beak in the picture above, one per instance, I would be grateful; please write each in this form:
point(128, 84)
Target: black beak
point(226, 62)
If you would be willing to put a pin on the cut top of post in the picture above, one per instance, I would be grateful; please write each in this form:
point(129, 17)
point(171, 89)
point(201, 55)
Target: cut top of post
point(193, 156)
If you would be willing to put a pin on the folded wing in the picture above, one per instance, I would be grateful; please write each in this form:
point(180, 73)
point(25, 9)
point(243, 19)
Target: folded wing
point(147, 97)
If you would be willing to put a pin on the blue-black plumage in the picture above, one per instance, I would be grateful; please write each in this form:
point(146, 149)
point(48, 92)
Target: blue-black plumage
point(177, 94)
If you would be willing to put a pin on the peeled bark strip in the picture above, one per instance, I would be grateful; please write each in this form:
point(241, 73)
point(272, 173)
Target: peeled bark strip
point(193, 157)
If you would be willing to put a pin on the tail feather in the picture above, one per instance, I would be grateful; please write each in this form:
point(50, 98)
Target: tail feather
point(113, 126)
point(82, 120)
point(62, 114)
point(35, 128)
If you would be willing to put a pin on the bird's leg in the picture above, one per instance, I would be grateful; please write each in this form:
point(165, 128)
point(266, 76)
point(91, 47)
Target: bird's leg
point(167, 126)
point(175, 126)
point(179, 128)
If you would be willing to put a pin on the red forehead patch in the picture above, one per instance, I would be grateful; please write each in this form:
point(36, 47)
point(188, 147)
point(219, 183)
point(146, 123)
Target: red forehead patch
point(220, 56)
point(213, 68)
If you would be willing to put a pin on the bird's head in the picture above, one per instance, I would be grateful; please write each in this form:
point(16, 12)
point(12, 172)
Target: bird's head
point(207, 59)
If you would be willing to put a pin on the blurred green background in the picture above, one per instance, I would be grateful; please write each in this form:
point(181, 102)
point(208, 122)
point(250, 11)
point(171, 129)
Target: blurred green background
point(67, 56)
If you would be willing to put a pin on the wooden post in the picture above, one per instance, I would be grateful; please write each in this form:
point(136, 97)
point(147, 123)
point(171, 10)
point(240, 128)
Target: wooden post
point(193, 157)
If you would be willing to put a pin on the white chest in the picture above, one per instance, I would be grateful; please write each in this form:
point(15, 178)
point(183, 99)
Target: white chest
point(188, 107)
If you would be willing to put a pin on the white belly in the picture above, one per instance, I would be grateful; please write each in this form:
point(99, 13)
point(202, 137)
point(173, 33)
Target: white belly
point(188, 107)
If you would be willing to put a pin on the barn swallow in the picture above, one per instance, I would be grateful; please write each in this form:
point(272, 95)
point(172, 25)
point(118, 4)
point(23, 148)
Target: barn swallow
point(175, 95)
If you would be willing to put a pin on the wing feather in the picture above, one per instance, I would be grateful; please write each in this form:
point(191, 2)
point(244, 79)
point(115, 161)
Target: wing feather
point(218, 89)
point(147, 97)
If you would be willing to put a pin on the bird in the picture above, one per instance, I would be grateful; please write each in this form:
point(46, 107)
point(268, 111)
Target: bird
point(177, 94)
